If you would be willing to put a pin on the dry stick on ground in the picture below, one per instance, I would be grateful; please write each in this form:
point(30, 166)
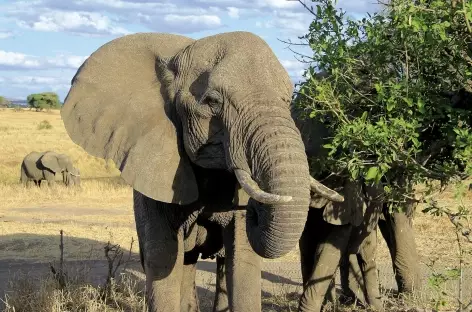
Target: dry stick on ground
point(60, 275)
point(114, 253)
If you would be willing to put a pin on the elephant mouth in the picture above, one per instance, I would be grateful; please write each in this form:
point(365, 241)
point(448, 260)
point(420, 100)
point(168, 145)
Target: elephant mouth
point(212, 156)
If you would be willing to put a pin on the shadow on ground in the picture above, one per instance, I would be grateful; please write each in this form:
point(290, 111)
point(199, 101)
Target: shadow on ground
point(94, 271)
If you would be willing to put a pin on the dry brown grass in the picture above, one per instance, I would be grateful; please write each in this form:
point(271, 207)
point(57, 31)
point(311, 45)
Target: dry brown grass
point(44, 295)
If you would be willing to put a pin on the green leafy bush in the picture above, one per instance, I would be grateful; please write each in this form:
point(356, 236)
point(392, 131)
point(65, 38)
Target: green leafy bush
point(393, 90)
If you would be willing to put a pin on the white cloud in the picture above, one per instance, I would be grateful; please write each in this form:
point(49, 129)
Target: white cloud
point(289, 23)
point(18, 60)
point(5, 34)
point(191, 21)
point(36, 83)
point(233, 12)
point(35, 80)
point(75, 22)
point(21, 61)
point(295, 69)
point(111, 17)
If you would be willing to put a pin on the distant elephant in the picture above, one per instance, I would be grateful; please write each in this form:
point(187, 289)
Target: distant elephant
point(38, 166)
point(201, 129)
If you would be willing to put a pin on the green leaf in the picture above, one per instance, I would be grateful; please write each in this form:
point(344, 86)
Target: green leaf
point(416, 143)
point(372, 173)
point(420, 104)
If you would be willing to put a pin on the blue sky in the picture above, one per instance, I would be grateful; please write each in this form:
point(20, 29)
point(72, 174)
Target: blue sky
point(43, 42)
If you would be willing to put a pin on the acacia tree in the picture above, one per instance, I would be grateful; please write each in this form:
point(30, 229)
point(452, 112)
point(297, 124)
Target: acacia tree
point(45, 100)
point(395, 95)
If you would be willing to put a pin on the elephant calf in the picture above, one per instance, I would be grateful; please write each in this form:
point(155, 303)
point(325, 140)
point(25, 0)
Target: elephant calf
point(38, 166)
point(333, 232)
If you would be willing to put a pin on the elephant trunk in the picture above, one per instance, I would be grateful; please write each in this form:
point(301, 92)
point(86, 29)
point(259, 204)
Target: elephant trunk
point(279, 186)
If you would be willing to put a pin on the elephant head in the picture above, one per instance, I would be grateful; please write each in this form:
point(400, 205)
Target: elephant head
point(61, 163)
point(158, 104)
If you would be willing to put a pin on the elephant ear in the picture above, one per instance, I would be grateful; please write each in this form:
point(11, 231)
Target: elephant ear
point(65, 162)
point(50, 161)
point(351, 211)
point(117, 108)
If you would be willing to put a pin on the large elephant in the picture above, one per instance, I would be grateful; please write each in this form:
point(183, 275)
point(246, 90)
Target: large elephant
point(201, 129)
point(39, 166)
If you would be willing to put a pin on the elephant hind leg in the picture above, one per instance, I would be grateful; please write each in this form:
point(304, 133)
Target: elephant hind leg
point(366, 259)
point(397, 230)
point(221, 303)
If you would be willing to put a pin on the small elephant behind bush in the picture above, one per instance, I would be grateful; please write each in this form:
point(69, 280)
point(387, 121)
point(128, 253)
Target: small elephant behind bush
point(38, 166)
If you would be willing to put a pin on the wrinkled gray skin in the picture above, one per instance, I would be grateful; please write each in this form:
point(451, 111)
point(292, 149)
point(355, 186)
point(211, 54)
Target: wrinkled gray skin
point(39, 166)
point(189, 123)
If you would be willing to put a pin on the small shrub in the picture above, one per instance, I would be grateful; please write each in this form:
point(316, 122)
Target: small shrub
point(44, 125)
point(17, 109)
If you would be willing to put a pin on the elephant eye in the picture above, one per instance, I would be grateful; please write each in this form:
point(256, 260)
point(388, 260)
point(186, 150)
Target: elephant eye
point(213, 97)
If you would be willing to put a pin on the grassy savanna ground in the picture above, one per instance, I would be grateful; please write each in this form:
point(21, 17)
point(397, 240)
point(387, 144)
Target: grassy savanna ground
point(101, 211)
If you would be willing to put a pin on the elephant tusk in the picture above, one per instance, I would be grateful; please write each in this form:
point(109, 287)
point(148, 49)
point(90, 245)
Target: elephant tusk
point(75, 175)
point(253, 190)
point(326, 192)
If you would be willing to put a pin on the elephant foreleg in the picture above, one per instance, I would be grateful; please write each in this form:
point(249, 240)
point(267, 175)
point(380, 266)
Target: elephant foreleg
point(242, 267)
point(352, 283)
point(50, 178)
point(189, 297)
point(326, 262)
point(162, 253)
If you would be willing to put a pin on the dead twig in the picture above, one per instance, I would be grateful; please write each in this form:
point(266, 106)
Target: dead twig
point(60, 275)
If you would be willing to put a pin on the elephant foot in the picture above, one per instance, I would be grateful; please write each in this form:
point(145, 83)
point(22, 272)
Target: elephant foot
point(349, 298)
